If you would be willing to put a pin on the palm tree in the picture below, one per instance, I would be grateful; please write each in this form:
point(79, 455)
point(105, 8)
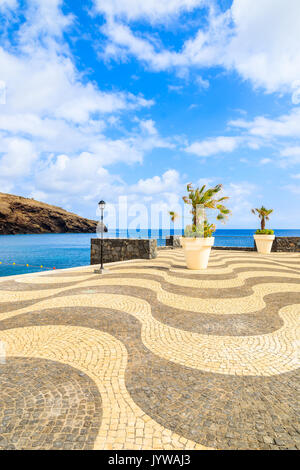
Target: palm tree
point(206, 198)
point(173, 216)
point(263, 214)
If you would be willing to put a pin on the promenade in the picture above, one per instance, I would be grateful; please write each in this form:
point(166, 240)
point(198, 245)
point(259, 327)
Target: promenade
point(153, 356)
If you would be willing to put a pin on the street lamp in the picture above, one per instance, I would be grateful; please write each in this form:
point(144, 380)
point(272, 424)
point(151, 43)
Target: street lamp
point(101, 205)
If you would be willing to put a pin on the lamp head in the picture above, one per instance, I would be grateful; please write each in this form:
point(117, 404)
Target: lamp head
point(101, 205)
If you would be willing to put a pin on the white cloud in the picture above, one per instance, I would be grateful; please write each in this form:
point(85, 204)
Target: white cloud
point(175, 88)
point(109, 151)
point(124, 42)
point(281, 134)
point(290, 156)
point(287, 125)
point(76, 175)
point(242, 197)
point(214, 146)
point(148, 137)
point(297, 177)
point(202, 83)
point(296, 92)
point(41, 77)
point(266, 43)
point(148, 126)
point(44, 22)
point(206, 181)
point(2, 92)
point(236, 190)
point(291, 152)
point(168, 182)
point(8, 5)
point(49, 84)
point(151, 10)
point(293, 188)
point(265, 161)
point(260, 40)
point(38, 195)
point(54, 125)
point(56, 118)
point(201, 51)
point(17, 159)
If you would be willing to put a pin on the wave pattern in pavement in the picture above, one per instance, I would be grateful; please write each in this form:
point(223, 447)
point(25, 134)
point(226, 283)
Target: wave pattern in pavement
point(153, 356)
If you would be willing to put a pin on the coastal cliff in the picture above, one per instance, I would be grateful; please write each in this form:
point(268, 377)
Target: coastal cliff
point(21, 215)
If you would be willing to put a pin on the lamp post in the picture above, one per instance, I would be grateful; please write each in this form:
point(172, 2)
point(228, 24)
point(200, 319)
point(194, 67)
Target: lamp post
point(101, 205)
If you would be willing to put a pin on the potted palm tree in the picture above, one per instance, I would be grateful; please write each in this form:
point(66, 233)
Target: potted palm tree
point(198, 237)
point(263, 238)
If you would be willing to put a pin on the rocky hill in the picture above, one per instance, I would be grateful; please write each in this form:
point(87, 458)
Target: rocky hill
point(22, 215)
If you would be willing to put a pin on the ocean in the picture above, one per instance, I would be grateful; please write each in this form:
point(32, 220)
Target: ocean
point(68, 250)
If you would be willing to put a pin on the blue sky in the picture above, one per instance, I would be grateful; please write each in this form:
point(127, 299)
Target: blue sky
point(127, 98)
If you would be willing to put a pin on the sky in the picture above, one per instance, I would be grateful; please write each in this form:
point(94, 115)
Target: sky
point(127, 98)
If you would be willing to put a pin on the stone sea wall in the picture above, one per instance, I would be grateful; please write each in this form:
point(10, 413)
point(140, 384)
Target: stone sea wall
point(286, 244)
point(173, 241)
point(280, 244)
point(235, 248)
point(122, 249)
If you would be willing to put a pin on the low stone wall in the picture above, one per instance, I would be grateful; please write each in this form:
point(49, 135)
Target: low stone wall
point(280, 244)
point(122, 249)
point(286, 244)
point(173, 241)
point(235, 248)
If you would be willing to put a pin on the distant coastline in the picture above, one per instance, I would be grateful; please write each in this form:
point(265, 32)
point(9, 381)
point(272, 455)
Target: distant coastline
point(19, 215)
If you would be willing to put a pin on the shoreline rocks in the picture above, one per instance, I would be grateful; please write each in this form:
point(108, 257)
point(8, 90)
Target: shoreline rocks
point(19, 215)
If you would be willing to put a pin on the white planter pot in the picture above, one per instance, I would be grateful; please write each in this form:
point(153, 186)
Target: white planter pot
point(197, 251)
point(264, 243)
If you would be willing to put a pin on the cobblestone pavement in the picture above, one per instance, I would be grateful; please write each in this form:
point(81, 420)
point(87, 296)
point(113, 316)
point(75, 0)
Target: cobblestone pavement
point(153, 356)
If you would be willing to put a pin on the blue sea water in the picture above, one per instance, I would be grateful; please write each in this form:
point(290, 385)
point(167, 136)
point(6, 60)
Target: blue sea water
point(69, 250)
